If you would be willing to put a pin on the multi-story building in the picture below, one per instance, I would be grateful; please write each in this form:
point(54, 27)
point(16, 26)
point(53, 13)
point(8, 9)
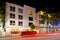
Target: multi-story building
point(18, 17)
point(41, 23)
point(46, 25)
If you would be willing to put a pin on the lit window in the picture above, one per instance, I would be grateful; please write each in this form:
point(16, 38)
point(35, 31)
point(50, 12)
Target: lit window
point(30, 12)
point(12, 22)
point(20, 23)
point(20, 10)
point(12, 8)
point(30, 23)
point(30, 18)
point(12, 15)
point(20, 17)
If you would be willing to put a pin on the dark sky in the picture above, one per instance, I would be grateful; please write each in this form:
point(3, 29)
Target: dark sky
point(39, 4)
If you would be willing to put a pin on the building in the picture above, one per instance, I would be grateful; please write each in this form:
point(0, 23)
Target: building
point(19, 18)
point(42, 24)
point(46, 25)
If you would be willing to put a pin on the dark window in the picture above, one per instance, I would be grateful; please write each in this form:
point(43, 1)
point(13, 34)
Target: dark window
point(30, 23)
point(12, 22)
point(41, 16)
point(41, 21)
point(12, 8)
point(20, 10)
point(30, 18)
point(20, 17)
point(51, 22)
point(12, 15)
point(20, 23)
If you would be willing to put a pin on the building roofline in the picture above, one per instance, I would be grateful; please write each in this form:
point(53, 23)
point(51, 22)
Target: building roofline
point(20, 5)
point(13, 3)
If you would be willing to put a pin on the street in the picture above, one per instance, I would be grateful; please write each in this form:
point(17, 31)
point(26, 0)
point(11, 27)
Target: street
point(49, 37)
point(30, 38)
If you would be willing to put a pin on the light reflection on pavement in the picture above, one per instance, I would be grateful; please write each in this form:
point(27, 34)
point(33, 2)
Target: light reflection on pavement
point(35, 37)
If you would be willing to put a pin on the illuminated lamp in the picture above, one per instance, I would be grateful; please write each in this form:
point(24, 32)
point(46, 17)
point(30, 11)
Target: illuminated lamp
point(51, 26)
point(30, 12)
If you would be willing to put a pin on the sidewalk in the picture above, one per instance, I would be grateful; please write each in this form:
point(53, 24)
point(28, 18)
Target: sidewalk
point(10, 35)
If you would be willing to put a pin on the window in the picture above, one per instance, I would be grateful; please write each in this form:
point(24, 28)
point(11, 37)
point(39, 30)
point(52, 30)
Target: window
point(20, 17)
point(12, 22)
point(30, 23)
point(41, 21)
point(47, 22)
point(20, 23)
point(30, 18)
point(12, 8)
point(51, 22)
point(41, 16)
point(12, 15)
point(20, 10)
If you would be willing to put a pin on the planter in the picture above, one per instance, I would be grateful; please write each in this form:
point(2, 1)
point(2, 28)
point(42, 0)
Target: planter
point(14, 32)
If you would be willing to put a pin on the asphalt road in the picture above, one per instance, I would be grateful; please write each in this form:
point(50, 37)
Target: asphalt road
point(55, 36)
point(31, 38)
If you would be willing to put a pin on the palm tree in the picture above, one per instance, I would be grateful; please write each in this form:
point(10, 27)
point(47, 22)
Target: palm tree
point(48, 10)
point(32, 26)
point(56, 16)
point(2, 14)
point(48, 15)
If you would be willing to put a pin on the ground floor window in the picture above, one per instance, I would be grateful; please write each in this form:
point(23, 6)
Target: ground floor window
point(14, 31)
point(30, 23)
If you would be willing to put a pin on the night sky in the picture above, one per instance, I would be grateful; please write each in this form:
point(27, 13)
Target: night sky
point(38, 4)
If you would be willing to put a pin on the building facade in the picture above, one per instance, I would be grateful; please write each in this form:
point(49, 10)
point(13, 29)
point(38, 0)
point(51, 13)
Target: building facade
point(42, 24)
point(46, 25)
point(19, 18)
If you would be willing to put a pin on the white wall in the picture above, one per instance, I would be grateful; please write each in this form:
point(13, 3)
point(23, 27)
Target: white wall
point(8, 14)
point(25, 14)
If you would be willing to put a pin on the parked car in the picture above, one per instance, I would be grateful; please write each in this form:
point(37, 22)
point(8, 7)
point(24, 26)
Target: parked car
point(28, 33)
